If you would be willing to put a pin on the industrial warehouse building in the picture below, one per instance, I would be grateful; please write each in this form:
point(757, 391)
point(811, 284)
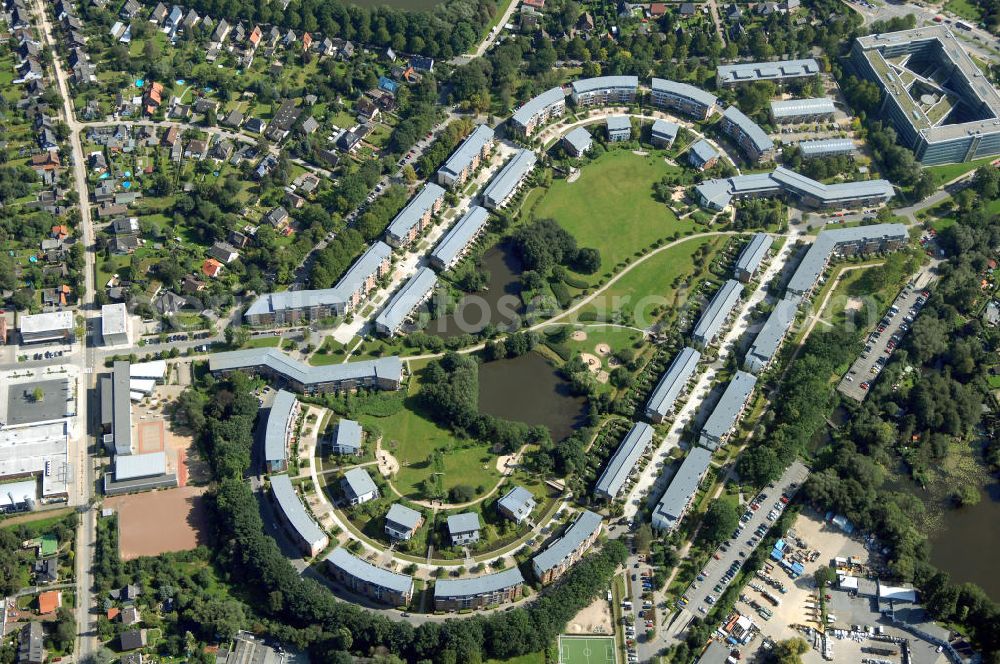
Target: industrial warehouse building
point(308, 536)
point(292, 307)
point(506, 183)
point(674, 504)
point(362, 577)
point(538, 110)
point(802, 110)
point(456, 242)
point(853, 241)
point(478, 592)
point(718, 311)
point(623, 463)
point(778, 72)
point(682, 97)
point(752, 140)
point(417, 290)
point(415, 217)
point(384, 373)
point(604, 91)
point(466, 158)
point(47, 327)
point(752, 256)
point(940, 103)
point(672, 384)
point(772, 333)
point(559, 556)
point(727, 412)
point(114, 324)
point(277, 433)
point(719, 193)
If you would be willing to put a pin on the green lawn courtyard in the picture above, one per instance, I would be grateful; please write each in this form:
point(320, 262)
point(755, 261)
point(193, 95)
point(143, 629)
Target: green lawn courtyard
point(611, 206)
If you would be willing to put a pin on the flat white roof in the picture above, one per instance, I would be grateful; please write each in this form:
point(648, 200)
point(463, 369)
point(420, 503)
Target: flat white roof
point(133, 466)
point(114, 319)
point(156, 369)
point(53, 320)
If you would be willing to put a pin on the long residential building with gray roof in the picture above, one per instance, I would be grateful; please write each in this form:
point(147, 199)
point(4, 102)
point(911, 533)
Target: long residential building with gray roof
point(377, 583)
point(414, 292)
point(727, 412)
point(719, 193)
point(415, 217)
point(779, 72)
point(309, 537)
point(277, 432)
point(676, 500)
point(505, 184)
point(385, 373)
point(538, 110)
point(478, 592)
point(682, 97)
point(826, 147)
point(753, 141)
point(604, 90)
point(672, 384)
point(802, 110)
point(855, 240)
point(752, 256)
point(551, 563)
point(295, 307)
point(718, 311)
point(623, 463)
point(456, 242)
point(772, 333)
point(467, 157)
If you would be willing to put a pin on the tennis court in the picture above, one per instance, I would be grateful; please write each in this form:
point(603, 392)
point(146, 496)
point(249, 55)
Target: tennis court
point(587, 650)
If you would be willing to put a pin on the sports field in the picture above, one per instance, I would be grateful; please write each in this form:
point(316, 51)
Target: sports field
point(587, 650)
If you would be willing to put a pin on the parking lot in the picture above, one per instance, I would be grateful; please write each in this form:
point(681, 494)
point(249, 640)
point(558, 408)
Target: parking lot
point(882, 342)
point(719, 572)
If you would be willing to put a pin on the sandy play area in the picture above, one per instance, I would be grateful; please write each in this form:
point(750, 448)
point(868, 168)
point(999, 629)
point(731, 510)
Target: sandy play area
point(594, 619)
point(578, 335)
point(592, 361)
point(160, 521)
point(603, 349)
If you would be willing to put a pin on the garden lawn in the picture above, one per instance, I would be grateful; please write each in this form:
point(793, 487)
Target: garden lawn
point(611, 206)
point(649, 284)
point(965, 9)
point(411, 437)
point(947, 172)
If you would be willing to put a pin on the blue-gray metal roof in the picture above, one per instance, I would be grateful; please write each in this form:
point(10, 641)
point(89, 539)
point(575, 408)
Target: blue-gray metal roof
point(767, 71)
point(406, 299)
point(683, 487)
point(580, 139)
point(404, 516)
point(826, 146)
point(465, 153)
point(466, 522)
point(724, 415)
point(761, 141)
point(348, 435)
point(585, 525)
point(832, 193)
point(662, 399)
point(457, 239)
point(510, 175)
point(664, 129)
point(766, 344)
point(634, 445)
point(518, 501)
point(389, 368)
point(295, 512)
point(814, 262)
point(277, 425)
point(122, 425)
point(618, 123)
point(793, 108)
point(753, 254)
point(342, 559)
point(352, 280)
point(419, 205)
point(604, 83)
point(717, 311)
point(479, 585)
point(535, 105)
point(704, 151)
point(684, 90)
point(359, 482)
point(134, 466)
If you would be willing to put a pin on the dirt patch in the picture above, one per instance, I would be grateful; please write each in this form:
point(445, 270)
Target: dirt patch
point(603, 349)
point(388, 465)
point(592, 361)
point(854, 304)
point(160, 521)
point(578, 335)
point(152, 436)
point(593, 619)
point(508, 461)
point(602, 376)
